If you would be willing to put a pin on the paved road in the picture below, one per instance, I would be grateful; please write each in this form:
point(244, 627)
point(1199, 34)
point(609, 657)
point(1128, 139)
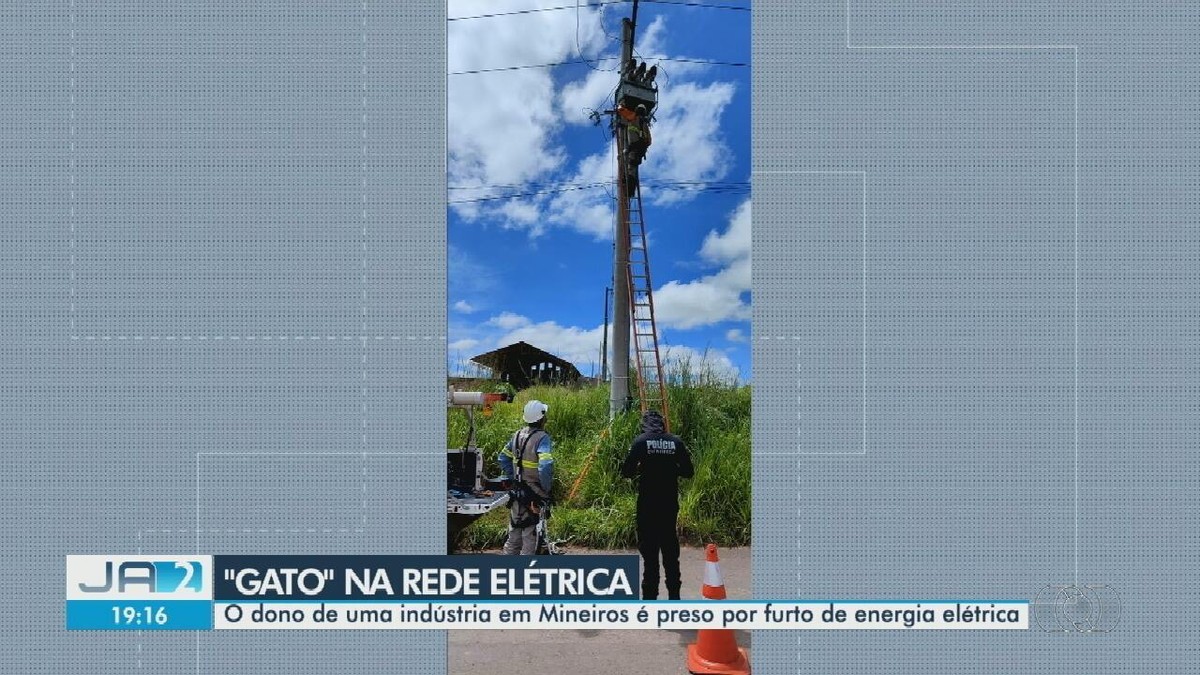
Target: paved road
point(600, 652)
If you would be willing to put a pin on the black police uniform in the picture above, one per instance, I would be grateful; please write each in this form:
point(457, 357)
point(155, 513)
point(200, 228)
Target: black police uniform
point(659, 459)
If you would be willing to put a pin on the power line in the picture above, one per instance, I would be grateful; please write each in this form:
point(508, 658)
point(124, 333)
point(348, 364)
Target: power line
point(649, 181)
point(545, 187)
point(705, 62)
point(537, 10)
point(683, 186)
point(683, 3)
point(738, 64)
point(534, 65)
point(598, 3)
point(578, 49)
point(516, 186)
point(525, 194)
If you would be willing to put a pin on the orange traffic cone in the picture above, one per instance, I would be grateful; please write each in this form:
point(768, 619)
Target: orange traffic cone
point(716, 651)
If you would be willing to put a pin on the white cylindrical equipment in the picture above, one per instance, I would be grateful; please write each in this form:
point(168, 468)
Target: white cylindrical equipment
point(463, 398)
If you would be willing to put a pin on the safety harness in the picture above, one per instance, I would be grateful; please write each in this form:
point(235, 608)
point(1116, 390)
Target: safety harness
point(521, 493)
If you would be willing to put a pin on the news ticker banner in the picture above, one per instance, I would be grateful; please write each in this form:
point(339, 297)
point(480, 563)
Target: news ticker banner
point(455, 592)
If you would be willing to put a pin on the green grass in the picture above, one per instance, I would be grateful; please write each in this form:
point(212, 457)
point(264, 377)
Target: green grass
point(711, 415)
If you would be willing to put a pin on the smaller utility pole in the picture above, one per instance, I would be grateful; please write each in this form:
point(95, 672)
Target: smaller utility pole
point(604, 339)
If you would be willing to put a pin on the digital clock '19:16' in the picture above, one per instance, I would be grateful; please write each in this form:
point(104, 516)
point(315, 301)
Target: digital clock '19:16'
point(139, 616)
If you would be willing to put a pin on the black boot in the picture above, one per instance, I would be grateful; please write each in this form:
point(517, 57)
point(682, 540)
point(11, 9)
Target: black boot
point(650, 592)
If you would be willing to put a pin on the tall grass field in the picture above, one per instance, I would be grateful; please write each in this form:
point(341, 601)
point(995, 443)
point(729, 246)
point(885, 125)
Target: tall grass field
point(712, 417)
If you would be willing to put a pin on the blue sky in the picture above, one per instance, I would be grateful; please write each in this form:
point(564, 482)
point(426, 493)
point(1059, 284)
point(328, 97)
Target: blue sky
point(534, 267)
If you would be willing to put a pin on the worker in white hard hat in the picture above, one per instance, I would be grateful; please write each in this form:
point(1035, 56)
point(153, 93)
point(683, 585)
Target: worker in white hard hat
point(527, 462)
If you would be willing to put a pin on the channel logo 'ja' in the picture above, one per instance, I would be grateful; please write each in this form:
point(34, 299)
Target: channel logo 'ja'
point(160, 576)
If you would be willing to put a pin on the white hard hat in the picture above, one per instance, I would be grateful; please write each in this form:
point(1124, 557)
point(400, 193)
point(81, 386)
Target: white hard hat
point(534, 411)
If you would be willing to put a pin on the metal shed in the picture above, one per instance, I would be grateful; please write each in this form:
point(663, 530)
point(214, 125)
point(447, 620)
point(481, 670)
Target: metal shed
point(523, 365)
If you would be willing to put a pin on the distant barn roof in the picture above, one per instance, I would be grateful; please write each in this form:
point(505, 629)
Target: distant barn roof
point(522, 365)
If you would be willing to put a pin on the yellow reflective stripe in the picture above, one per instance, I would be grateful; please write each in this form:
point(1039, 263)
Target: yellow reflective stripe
point(546, 456)
point(526, 464)
point(505, 452)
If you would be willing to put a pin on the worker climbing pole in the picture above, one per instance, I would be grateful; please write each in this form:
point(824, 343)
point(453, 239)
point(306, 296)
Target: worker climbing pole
point(633, 304)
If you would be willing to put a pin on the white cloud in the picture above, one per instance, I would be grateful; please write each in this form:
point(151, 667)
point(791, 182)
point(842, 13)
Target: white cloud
point(594, 92)
point(734, 242)
point(698, 303)
point(711, 362)
point(735, 335)
point(464, 307)
point(580, 346)
point(501, 125)
point(522, 213)
point(688, 145)
point(462, 345)
point(651, 47)
point(717, 297)
point(589, 211)
point(504, 127)
point(508, 321)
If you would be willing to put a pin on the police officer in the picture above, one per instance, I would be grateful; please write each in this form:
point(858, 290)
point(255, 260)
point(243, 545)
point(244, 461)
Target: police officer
point(528, 460)
point(658, 459)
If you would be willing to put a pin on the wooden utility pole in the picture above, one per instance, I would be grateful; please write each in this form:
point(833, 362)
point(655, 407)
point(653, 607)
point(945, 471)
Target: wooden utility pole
point(619, 393)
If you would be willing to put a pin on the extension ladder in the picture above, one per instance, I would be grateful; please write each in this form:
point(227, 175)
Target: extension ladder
point(652, 386)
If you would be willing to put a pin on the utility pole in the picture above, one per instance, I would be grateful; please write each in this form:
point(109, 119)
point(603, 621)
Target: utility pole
point(619, 393)
point(604, 338)
point(632, 27)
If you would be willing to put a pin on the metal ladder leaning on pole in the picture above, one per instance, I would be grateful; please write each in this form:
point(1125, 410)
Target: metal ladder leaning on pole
point(652, 386)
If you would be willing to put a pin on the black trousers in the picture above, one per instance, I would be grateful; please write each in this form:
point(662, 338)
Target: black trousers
point(656, 534)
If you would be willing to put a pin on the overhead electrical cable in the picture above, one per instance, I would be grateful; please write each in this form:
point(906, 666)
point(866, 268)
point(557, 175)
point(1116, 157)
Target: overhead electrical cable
point(681, 186)
point(705, 62)
point(533, 11)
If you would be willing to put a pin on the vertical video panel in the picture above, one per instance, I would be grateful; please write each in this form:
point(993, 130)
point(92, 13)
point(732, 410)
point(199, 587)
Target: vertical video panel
point(598, 362)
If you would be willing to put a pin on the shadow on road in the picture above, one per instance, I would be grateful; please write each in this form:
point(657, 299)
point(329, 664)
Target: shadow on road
point(686, 637)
